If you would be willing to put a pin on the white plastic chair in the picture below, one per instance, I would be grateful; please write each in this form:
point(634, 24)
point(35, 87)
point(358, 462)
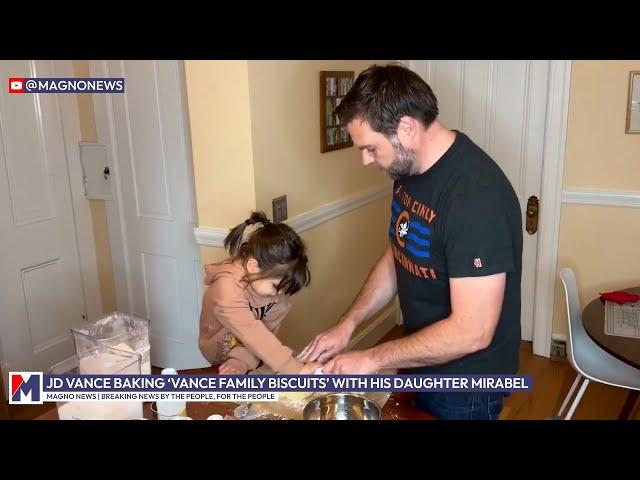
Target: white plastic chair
point(587, 358)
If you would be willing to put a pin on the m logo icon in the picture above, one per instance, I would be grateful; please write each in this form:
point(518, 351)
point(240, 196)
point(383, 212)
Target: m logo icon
point(26, 388)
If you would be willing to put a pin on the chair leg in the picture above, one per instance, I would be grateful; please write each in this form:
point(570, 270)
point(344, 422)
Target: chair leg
point(575, 403)
point(632, 398)
point(570, 394)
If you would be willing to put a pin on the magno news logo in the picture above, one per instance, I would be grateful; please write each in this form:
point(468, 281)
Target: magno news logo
point(25, 388)
point(66, 85)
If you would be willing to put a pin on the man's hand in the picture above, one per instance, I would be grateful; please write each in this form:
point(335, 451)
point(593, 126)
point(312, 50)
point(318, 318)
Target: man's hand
point(358, 362)
point(327, 344)
point(377, 291)
point(310, 368)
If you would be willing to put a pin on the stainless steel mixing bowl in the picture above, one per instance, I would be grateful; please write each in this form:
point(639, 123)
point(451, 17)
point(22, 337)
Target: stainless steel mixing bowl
point(341, 406)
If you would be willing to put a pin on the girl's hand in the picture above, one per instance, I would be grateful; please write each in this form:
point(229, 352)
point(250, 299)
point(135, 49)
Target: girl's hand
point(233, 366)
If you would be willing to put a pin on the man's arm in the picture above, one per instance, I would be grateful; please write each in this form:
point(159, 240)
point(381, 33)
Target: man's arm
point(476, 304)
point(377, 291)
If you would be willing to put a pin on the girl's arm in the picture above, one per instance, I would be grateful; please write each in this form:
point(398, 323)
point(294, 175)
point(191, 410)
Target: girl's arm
point(231, 309)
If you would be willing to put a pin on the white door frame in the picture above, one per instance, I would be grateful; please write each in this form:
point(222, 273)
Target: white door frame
point(70, 125)
point(550, 200)
point(555, 142)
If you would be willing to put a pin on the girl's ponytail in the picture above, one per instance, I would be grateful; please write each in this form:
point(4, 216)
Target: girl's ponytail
point(233, 242)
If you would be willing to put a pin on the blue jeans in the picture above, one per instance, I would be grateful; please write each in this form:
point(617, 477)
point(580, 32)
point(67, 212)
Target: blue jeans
point(461, 406)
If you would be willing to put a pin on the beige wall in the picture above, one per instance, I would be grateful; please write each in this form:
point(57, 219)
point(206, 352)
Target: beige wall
point(220, 121)
point(599, 243)
point(599, 154)
point(341, 255)
point(98, 210)
point(285, 121)
point(255, 134)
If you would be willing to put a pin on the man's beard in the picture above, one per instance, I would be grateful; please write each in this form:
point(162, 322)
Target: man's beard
point(402, 165)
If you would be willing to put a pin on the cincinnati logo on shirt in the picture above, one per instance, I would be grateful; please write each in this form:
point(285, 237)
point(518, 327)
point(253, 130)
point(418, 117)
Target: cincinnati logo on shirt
point(402, 227)
point(412, 235)
point(411, 228)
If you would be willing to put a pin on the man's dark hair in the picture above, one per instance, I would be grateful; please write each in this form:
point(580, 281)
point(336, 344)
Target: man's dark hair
point(383, 94)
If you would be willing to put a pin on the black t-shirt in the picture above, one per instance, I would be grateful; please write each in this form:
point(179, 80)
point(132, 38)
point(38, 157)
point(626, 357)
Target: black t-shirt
point(460, 218)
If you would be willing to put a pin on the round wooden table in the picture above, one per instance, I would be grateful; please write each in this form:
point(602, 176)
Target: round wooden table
point(624, 348)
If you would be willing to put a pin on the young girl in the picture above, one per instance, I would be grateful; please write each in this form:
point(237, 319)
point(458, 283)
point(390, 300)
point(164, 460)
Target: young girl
point(249, 295)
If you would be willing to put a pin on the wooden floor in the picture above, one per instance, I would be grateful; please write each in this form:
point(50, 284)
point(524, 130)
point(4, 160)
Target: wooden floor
point(551, 382)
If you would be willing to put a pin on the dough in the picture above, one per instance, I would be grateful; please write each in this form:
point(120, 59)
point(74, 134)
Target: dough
point(293, 396)
point(290, 397)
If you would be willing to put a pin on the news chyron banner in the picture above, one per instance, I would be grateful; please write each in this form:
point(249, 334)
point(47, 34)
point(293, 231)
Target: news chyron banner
point(37, 387)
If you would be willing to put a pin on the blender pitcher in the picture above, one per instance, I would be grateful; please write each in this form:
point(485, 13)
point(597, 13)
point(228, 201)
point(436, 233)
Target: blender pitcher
point(118, 330)
point(99, 360)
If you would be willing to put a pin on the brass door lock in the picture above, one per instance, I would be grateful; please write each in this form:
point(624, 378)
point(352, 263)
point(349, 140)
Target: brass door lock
point(532, 215)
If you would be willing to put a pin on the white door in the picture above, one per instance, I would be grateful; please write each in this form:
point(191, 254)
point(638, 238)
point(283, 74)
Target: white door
point(501, 105)
point(156, 259)
point(41, 292)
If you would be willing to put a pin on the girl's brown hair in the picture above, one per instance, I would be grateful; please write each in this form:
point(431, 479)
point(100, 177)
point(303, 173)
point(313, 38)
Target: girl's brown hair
point(278, 249)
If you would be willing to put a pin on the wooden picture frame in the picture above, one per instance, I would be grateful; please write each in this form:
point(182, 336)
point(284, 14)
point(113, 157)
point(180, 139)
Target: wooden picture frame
point(333, 87)
point(633, 103)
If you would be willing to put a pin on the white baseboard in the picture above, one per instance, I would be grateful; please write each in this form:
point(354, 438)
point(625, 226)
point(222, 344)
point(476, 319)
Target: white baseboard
point(316, 216)
point(214, 237)
point(560, 336)
point(210, 237)
point(610, 198)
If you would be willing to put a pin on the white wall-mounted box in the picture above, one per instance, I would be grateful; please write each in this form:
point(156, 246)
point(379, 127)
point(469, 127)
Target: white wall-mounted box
point(96, 171)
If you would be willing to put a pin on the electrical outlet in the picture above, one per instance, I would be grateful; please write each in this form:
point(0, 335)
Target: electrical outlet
point(558, 350)
point(279, 209)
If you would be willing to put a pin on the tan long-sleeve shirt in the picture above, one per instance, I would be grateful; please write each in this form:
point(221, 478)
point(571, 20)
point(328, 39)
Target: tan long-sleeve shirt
point(237, 322)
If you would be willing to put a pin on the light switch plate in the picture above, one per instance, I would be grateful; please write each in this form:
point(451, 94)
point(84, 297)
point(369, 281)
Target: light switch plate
point(279, 209)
